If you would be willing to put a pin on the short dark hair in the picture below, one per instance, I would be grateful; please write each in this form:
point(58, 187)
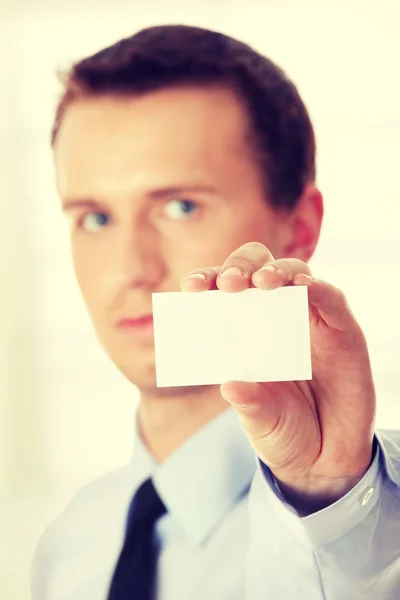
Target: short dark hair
point(171, 55)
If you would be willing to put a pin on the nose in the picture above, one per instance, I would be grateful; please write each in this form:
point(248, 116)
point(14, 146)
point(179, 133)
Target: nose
point(135, 260)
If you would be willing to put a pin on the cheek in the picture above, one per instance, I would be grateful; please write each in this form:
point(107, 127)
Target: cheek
point(256, 225)
point(209, 250)
point(89, 275)
point(83, 274)
point(240, 230)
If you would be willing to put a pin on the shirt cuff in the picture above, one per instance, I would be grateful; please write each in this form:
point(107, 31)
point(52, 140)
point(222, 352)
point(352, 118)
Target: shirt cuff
point(337, 519)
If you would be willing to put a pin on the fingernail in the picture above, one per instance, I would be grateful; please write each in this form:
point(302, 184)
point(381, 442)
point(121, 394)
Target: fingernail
point(270, 268)
point(196, 276)
point(231, 272)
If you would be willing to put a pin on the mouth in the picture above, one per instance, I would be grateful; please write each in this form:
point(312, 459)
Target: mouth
point(142, 324)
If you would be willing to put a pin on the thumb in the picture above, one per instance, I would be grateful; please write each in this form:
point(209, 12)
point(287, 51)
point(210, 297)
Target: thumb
point(258, 411)
point(280, 421)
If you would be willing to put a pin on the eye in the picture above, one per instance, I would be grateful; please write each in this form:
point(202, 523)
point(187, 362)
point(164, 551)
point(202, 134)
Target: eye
point(93, 221)
point(180, 209)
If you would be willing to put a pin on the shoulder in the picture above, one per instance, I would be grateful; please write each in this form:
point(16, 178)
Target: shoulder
point(89, 504)
point(94, 497)
point(94, 515)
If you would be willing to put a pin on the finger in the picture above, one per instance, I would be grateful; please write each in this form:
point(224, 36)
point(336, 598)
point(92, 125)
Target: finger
point(329, 301)
point(237, 270)
point(279, 273)
point(201, 280)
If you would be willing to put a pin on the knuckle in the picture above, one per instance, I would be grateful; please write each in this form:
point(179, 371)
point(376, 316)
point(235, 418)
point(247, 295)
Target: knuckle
point(299, 266)
point(284, 266)
point(343, 301)
point(254, 246)
point(244, 263)
point(250, 255)
point(340, 299)
point(341, 296)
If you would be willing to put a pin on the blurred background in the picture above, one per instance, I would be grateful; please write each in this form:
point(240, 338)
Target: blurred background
point(66, 414)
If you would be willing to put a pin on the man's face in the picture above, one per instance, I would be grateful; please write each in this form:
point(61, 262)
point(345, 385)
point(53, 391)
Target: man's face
point(166, 185)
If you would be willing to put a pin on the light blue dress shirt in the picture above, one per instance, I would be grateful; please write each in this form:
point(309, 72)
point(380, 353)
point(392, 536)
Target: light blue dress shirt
point(221, 542)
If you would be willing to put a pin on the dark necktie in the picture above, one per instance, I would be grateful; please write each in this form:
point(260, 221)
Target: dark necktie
point(135, 572)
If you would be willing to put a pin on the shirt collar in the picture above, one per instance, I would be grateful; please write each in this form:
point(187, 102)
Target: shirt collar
point(204, 477)
point(389, 443)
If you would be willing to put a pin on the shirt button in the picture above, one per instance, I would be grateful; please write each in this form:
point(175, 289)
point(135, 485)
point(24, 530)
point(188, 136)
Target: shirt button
point(366, 496)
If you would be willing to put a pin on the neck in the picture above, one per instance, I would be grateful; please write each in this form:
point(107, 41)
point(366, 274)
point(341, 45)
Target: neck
point(167, 419)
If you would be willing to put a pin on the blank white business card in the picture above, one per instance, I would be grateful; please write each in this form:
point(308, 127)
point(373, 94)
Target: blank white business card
point(211, 337)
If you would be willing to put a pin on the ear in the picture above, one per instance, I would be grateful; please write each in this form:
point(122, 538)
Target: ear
point(304, 223)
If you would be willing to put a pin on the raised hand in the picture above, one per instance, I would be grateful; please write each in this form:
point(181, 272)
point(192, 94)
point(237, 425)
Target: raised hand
point(316, 436)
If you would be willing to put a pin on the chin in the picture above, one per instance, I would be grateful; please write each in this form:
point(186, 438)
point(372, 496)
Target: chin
point(145, 379)
point(136, 365)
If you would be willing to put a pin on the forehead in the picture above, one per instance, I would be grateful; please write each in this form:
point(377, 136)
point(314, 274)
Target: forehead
point(203, 130)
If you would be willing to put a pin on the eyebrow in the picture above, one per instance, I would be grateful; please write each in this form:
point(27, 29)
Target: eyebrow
point(158, 194)
point(73, 203)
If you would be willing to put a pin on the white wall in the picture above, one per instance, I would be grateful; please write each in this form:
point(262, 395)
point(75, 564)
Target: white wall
point(65, 412)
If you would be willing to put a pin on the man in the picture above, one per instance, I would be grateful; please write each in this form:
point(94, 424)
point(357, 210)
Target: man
point(183, 117)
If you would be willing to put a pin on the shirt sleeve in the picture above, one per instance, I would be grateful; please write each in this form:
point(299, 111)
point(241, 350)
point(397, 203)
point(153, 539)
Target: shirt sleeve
point(349, 550)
